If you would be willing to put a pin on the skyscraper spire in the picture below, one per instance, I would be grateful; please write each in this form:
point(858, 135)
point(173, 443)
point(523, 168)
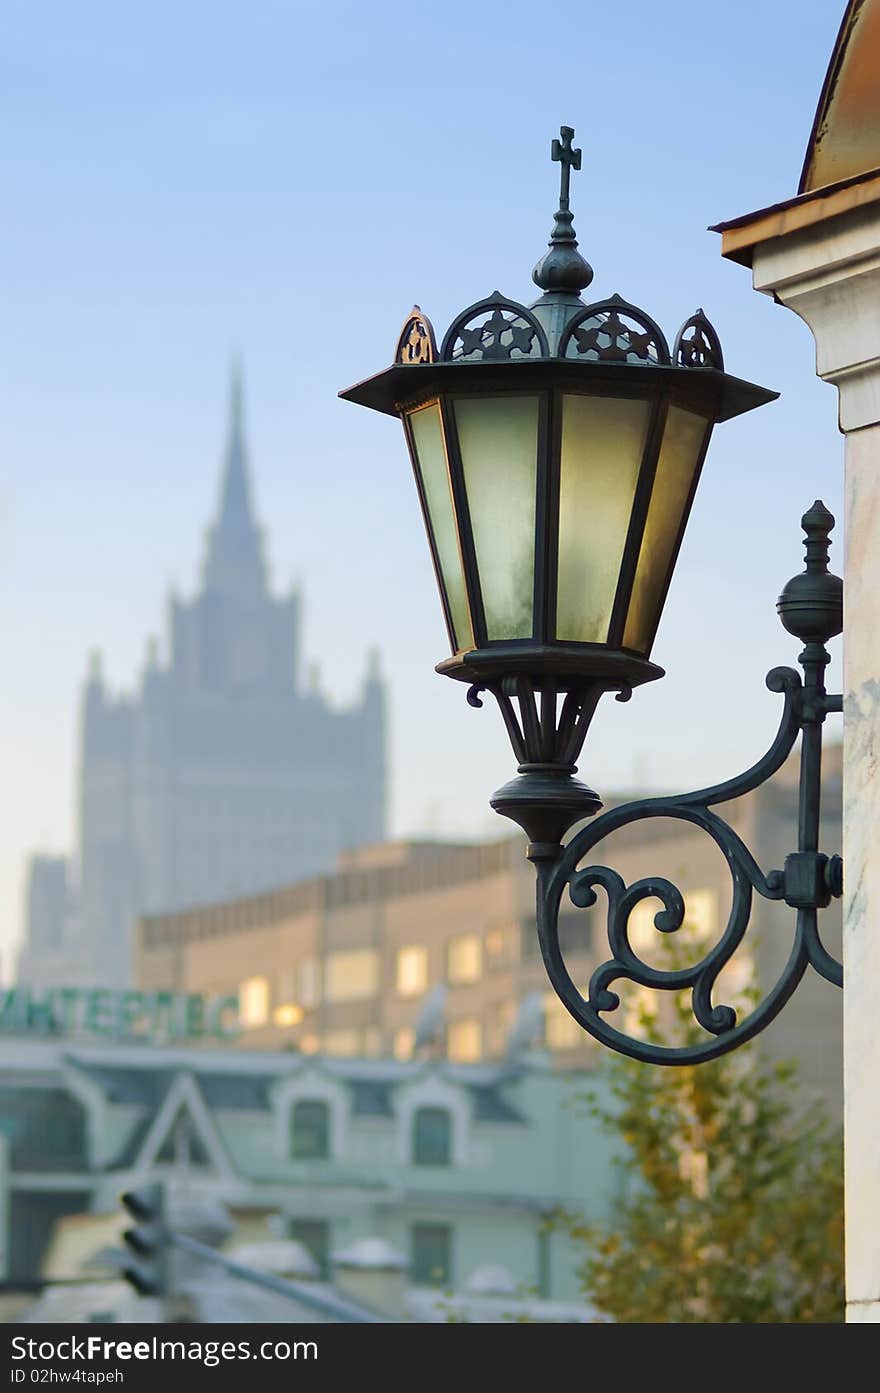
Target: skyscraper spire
point(234, 561)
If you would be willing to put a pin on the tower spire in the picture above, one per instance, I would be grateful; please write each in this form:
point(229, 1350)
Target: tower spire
point(234, 558)
point(235, 505)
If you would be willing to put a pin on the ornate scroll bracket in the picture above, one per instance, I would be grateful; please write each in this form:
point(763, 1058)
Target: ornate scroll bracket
point(810, 607)
point(807, 883)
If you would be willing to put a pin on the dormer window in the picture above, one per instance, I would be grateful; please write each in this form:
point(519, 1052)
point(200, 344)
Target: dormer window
point(432, 1137)
point(310, 1130)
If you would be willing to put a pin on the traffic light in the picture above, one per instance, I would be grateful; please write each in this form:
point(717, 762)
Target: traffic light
point(147, 1240)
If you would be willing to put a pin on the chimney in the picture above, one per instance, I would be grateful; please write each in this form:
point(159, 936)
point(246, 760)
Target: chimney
point(372, 1272)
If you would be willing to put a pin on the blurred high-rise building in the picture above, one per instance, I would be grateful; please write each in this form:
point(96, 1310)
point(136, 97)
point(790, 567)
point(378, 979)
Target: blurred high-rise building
point(224, 774)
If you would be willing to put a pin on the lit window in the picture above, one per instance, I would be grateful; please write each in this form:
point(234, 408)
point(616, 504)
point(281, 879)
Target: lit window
point(310, 1044)
point(643, 932)
point(253, 1002)
point(465, 1041)
point(288, 1014)
point(372, 1041)
point(310, 1130)
point(737, 979)
point(464, 959)
point(352, 976)
point(404, 1039)
point(561, 1031)
point(432, 1137)
point(412, 971)
point(308, 975)
point(701, 912)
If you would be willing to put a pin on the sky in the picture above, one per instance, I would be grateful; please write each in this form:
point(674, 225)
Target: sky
point(183, 182)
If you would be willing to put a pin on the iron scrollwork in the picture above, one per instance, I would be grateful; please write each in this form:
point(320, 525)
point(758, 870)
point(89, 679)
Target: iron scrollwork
point(416, 343)
point(697, 345)
point(613, 331)
point(494, 330)
point(810, 607)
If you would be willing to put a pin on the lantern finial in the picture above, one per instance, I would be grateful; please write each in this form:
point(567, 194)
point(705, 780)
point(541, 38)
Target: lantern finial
point(561, 153)
point(562, 270)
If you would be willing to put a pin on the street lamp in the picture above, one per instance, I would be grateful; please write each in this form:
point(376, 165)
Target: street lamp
point(557, 449)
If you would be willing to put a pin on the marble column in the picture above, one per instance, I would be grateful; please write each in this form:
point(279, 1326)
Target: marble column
point(829, 274)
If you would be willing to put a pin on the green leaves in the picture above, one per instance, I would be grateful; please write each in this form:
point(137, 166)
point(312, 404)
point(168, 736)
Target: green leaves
point(733, 1207)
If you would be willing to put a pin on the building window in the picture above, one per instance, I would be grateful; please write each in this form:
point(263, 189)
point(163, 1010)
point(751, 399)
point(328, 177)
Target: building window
point(352, 976)
point(500, 945)
point(314, 1235)
point(700, 924)
point(701, 912)
point(575, 932)
point(342, 1042)
point(287, 1014)
point(412, 971)
point(432, 1255)
point(464, 1042)
point(561, 1031)
point(308, 979)
point(253, 1002)
point(310, 1130)
point(464, 959)
point(432, 1137)
point(45, 1129)
point(529, 940)
point(404, 1039)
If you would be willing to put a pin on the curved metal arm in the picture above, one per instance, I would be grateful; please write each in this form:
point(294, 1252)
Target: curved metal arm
point(807, 883)
point(546, 800)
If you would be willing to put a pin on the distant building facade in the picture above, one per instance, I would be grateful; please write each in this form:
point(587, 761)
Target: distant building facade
point(459, 1167)
point(221, 776)
point(352, 962)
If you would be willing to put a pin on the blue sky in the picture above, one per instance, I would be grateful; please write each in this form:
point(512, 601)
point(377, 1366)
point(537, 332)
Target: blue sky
point(184, 181)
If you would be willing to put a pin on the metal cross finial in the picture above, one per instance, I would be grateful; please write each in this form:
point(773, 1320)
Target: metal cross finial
point(562, 270)
point(562, 153)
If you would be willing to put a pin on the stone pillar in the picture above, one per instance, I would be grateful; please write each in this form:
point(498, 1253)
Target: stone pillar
point(828, 272)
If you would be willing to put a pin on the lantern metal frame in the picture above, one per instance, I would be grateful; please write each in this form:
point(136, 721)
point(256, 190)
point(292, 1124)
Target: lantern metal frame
point(548, 689)
point(662, 380)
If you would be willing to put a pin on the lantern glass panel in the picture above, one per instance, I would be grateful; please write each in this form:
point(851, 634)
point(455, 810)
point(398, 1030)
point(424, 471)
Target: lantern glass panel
point(603, 439)
point(498, 441)
point(431, 462)
point(679, 456)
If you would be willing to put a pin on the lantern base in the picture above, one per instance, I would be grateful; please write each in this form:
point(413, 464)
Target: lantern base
point(563, 664)
point(546, 804)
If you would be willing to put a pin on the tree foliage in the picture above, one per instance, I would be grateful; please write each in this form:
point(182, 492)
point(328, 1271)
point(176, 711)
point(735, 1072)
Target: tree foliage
point(732, 1205)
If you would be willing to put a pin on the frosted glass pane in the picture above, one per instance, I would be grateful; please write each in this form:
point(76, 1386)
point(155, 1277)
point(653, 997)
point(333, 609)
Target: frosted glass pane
point(427, 432)
point(682, 443)
point(602, 443)
point(499, 453)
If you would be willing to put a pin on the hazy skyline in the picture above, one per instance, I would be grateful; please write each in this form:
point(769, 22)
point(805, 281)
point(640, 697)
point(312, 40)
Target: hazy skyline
point(284, 180)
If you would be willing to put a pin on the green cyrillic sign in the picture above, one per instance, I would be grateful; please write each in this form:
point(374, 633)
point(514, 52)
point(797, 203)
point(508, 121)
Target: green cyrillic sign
point(117, 1015)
